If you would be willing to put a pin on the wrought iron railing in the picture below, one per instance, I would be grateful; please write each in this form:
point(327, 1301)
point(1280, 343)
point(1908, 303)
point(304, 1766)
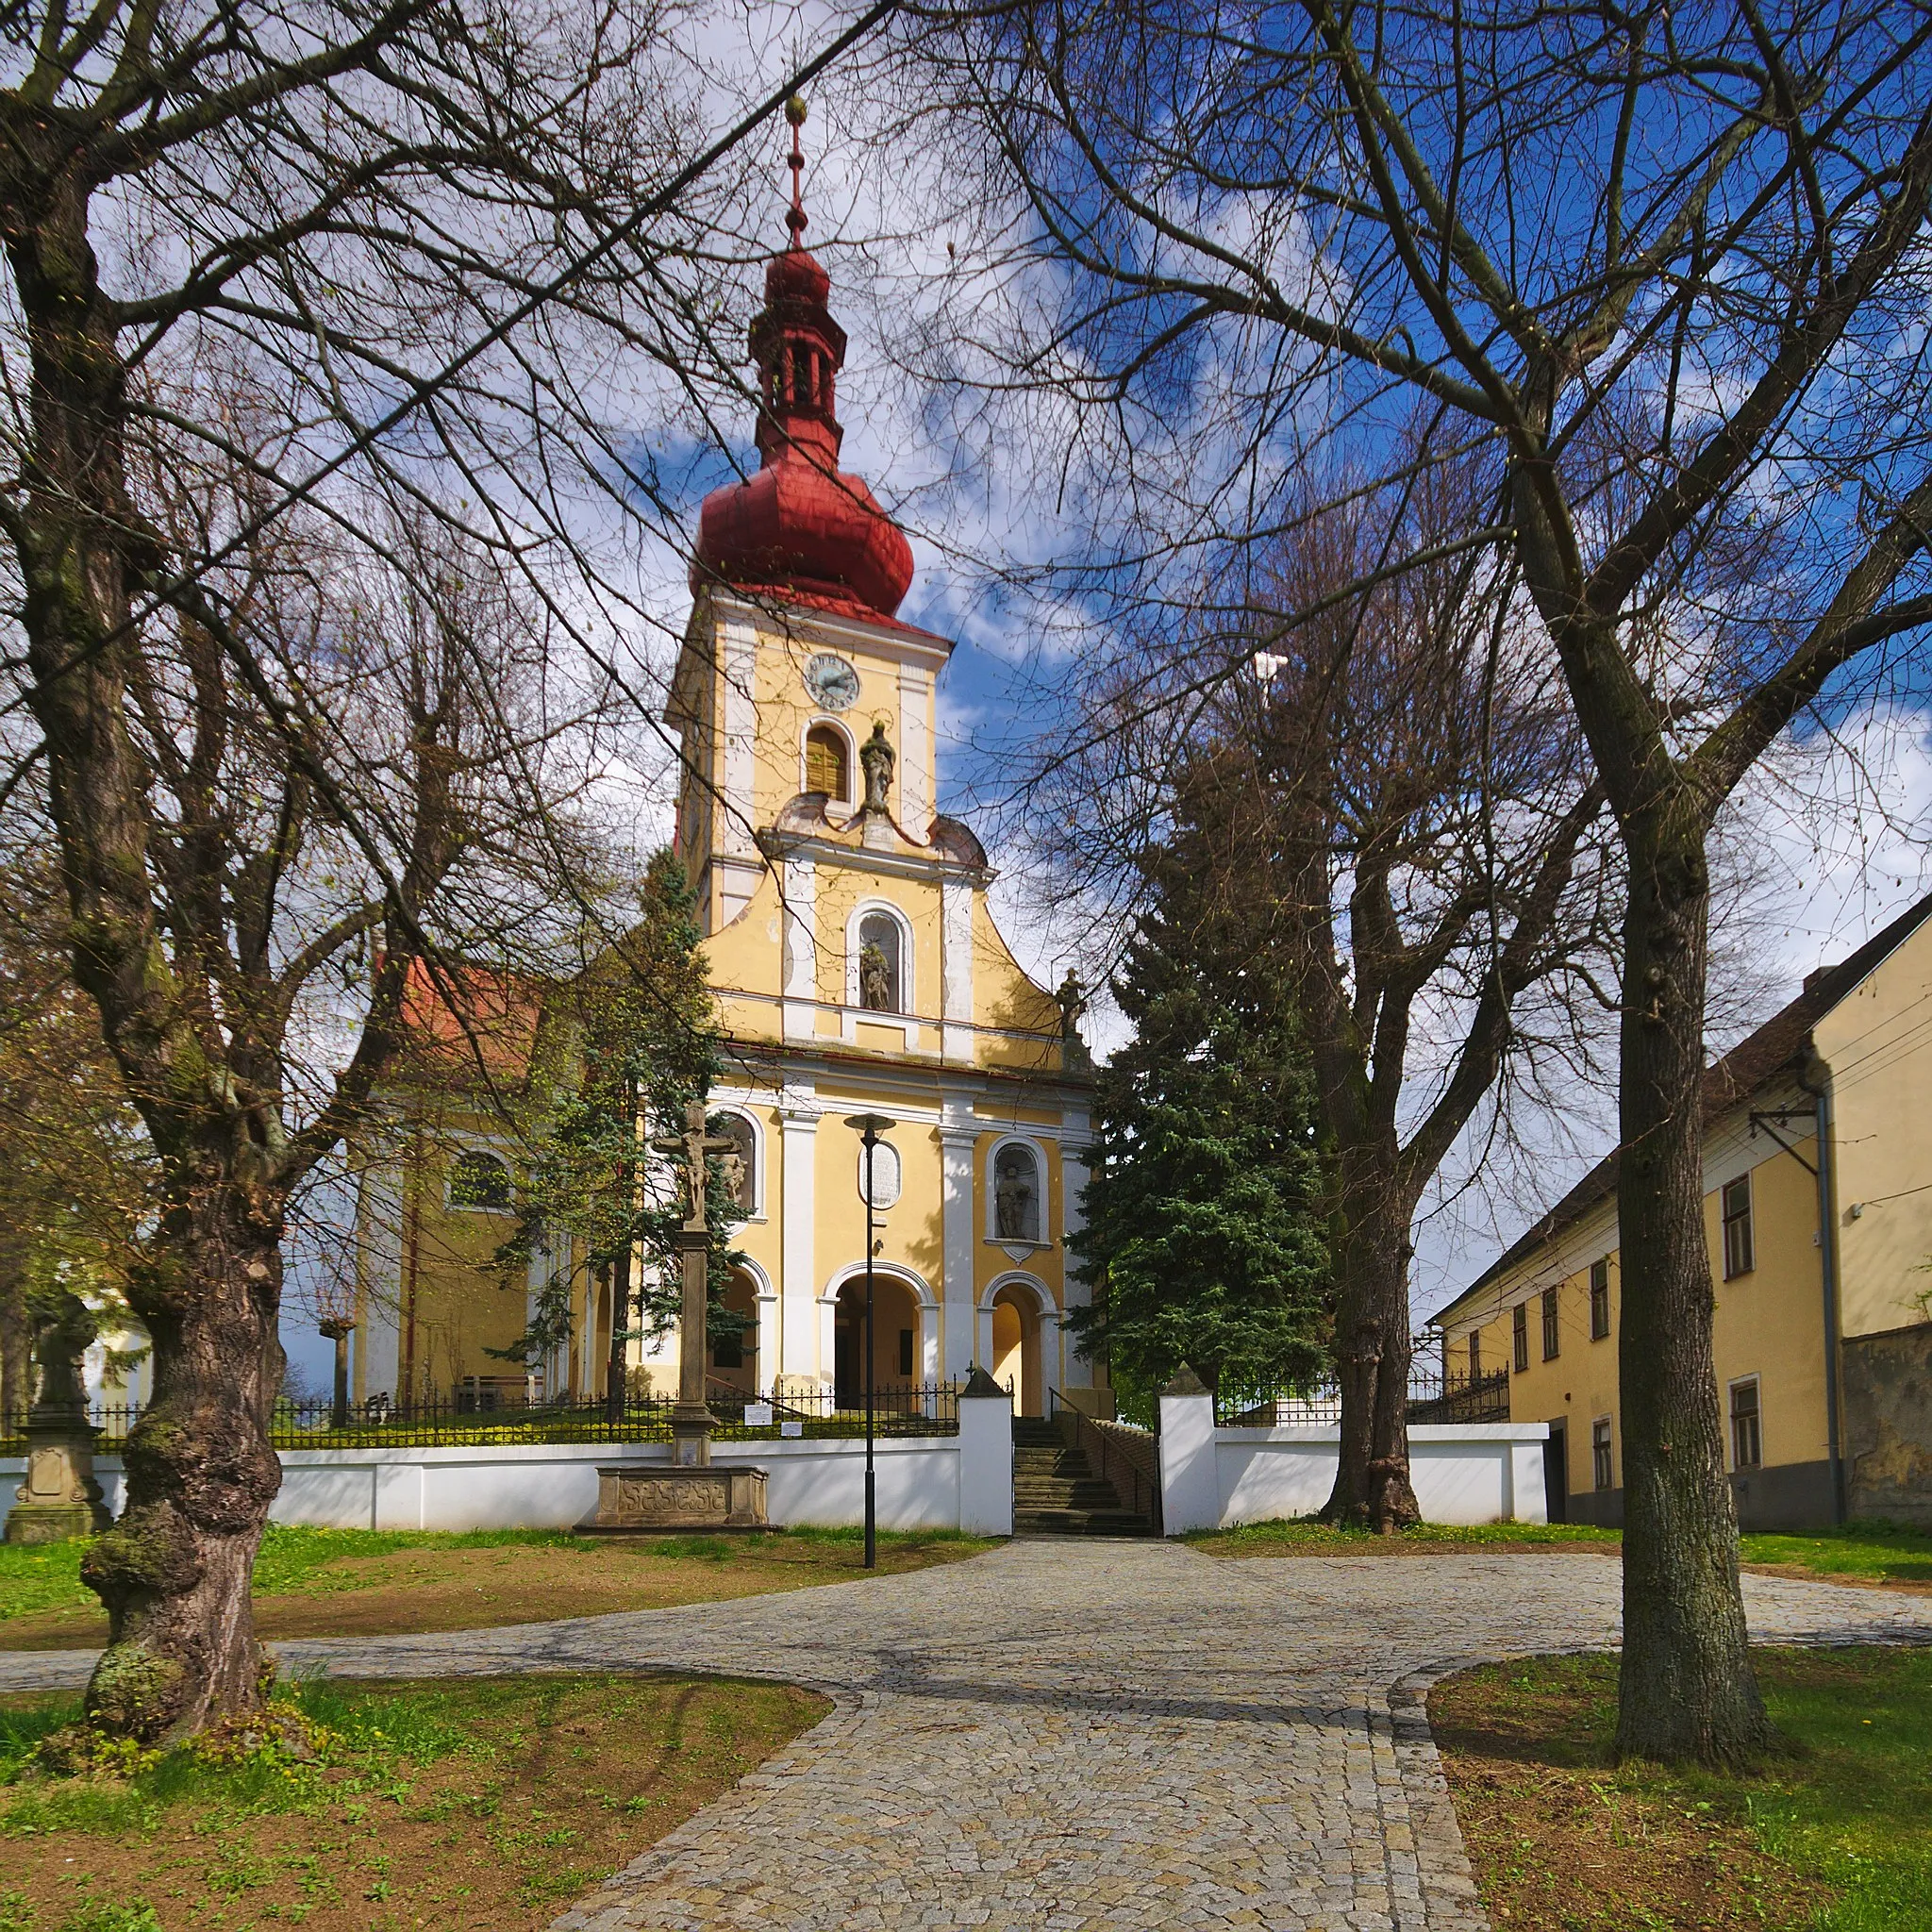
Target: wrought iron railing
point(1134, 1472)
point(1433, 1397)
point(456, 1421)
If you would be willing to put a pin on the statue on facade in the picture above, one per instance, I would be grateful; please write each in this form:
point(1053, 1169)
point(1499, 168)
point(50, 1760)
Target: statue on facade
point(1013, 1216)
point(877, 757)
point(874, 979)
point(1072, 1000)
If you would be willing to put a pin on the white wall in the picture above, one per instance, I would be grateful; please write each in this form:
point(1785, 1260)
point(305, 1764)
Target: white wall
point(918, 1482)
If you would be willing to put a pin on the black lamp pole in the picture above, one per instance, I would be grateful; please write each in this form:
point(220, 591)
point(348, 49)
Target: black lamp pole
point(869, 1127)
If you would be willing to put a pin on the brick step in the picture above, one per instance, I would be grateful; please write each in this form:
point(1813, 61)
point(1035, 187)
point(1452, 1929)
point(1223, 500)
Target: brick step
point(1079, 1522)
point(1071, 1495)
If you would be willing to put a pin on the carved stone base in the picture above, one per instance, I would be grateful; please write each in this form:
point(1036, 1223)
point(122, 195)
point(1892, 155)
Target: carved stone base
point(59, 1497)
point(717, 1497)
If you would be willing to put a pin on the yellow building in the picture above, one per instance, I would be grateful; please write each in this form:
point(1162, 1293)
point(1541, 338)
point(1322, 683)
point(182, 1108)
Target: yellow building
point(855, 962)
point(1817, 1210)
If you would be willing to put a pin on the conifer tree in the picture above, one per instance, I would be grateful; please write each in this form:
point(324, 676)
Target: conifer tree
point(621, 1051)
point(1205, 1240)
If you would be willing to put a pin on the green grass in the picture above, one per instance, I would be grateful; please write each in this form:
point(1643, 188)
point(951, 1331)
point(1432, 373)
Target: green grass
point(1879, 1552)
point(46, 1577)
point(1871, 1551)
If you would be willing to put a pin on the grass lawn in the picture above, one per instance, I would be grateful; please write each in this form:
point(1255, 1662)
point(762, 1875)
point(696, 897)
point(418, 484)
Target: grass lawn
point(1887, 1554)
point(485, 1803)
point(1832, 1834)
point(369, 1583)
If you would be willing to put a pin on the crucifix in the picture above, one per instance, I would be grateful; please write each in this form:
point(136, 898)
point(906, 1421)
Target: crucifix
point(691, 1420)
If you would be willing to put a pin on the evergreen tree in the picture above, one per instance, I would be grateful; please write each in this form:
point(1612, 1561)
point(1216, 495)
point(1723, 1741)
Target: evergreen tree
point(1205, 1240)
point(621, 1051)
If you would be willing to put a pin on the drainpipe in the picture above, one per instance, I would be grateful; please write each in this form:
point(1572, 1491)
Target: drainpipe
point(1815, 1079)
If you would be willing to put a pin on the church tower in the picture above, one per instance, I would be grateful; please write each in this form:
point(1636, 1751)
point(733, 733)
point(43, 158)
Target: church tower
point(856, 964)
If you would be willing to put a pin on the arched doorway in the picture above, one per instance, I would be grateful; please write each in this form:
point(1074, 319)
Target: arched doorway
point(1016, 1348)
point(895, 1338)
point(735, 1357)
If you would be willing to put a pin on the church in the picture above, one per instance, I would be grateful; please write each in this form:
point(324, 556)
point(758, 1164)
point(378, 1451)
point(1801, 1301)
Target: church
point(855, 961)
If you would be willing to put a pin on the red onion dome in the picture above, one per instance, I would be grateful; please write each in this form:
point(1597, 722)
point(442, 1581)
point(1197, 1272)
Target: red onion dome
point(801, 527)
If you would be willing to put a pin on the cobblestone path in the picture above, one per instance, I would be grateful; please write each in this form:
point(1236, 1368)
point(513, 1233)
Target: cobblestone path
point(1072, 1735)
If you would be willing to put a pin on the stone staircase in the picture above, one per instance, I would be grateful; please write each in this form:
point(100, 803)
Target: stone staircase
point(1056, 1492)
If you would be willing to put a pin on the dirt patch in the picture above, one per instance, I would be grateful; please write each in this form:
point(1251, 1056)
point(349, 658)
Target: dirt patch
point(535, 1790)
point(422, 1590)
point(1562, 1843)
point(1804, 1572)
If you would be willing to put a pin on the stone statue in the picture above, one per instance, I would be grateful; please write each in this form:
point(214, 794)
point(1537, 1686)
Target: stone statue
point(1072, 1001)
point(737, 1177)
point(1012, 1201)
point(878, 758)
point(874, 979)
point(63, 1332)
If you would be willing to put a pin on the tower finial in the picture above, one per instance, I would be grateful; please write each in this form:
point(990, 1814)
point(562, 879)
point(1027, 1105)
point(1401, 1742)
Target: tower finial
point(795, 220)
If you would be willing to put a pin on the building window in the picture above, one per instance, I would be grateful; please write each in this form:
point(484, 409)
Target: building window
point(1553, 1338)
point(879, 963)
point(1747, 1436)
point(1736, 1212)
point(1519, 1334)
point(827, 763)
point(1600, 1299)
point(905, 1351)
point(1475, 1354)
point(479, 1180)
point(1602, 1472)
point(1016, 1192)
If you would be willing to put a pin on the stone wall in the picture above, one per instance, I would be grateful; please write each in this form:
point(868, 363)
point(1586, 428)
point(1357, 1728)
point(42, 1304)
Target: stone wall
point(1888, 1423)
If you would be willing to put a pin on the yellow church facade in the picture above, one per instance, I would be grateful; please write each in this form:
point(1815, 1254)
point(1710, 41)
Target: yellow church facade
point(857, 970)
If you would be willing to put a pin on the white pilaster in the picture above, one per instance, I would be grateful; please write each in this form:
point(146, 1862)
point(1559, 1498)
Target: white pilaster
point(1074, 1126)
point(770, 1342)
point(738, 654)
point(956, 969)
point(797, 1355)
point(801, 882)
point(915, 751)
point(958, 1137)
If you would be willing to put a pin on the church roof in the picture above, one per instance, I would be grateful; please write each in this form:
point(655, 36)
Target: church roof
point(800, 528)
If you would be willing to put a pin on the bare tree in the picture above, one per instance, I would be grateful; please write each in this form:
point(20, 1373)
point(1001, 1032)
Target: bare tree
point(291, 289)
point(1667, 270)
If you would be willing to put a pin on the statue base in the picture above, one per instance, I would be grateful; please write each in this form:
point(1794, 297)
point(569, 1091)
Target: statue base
point(633, 1501)
point(59, 1497)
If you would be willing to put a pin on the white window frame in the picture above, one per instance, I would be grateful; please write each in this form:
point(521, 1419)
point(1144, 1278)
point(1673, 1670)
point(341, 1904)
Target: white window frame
point(1749, 1218)
point(852, 772)
point(1038, 1150)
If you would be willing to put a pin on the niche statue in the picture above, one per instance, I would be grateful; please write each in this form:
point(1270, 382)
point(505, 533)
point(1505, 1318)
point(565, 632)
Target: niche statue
point(878, 758)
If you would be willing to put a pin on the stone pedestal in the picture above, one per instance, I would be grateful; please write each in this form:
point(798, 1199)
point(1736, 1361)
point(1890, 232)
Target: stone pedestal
point(59, 1497)
point(717, 1497)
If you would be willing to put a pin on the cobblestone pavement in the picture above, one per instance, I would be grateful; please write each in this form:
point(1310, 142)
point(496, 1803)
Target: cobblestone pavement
point(1072, 1735)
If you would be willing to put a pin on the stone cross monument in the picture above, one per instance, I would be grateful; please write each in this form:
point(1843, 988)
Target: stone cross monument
point(694, 1492)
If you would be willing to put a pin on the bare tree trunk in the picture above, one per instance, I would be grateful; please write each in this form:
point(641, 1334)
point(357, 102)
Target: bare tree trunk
point(1687, 1690)
point(1371, 1346)
point(174, 1570)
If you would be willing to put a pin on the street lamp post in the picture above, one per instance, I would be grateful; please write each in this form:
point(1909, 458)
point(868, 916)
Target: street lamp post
point(869, 1126)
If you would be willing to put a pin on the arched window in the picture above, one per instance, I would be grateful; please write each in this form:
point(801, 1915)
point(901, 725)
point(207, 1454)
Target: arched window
point(1016, 1193)
point(738, 1130)
point(479, 1180)
point(880, 974)
point(828, 767)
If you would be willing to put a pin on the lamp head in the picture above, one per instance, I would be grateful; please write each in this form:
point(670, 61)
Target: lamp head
point(869, 1126)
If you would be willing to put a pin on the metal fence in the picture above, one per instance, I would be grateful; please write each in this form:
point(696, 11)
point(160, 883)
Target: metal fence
point(462, 1421)
point(1433, 1397)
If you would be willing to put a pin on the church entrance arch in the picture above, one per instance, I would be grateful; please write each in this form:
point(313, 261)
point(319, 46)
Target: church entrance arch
point(897, 1341)
point(1016, 1347)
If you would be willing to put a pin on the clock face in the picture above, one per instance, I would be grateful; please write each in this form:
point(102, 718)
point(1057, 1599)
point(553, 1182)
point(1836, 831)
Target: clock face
point(832, 681)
